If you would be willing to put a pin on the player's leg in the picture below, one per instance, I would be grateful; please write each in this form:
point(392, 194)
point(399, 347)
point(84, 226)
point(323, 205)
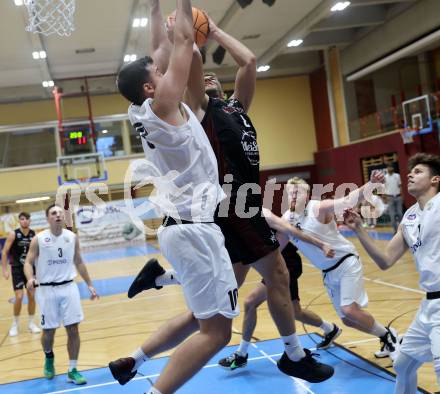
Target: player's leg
point(73, 346)
point(214, 334)
point(47, 340)
point(251, 303)
point(406, 374)
point(434, 337)
point(31, 312)
point(295, 361)
point(18, 283)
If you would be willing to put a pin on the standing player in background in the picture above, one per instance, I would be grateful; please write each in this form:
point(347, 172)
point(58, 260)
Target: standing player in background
point(55, 253)
point(393, 186)
point(249, 240)
point(419, 232)
point(16, 247)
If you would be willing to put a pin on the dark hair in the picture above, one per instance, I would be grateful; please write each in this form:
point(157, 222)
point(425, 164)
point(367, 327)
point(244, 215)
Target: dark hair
point(25, 215)
point(49, 208)
point(131, 79)
point(429, 160)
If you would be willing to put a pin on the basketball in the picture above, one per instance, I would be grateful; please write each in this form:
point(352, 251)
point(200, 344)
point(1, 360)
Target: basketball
point(200, 24)
point(201, 27)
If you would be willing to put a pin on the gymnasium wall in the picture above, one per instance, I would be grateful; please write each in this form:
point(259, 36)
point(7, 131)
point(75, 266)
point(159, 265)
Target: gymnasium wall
point(281, 112)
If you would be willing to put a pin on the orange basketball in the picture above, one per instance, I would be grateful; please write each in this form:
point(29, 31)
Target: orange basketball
point(201, 27)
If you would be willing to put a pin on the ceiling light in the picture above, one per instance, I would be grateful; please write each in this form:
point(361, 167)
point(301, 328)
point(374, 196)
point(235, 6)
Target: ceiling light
point(48, 84)
point(136, 22)
point(18, 3)
point(295, 43)
point(45, 84)
point(340, 6)
point(104, 131)
point(144, 22)
point(43, 55)
point(263, 69)
point(32, 199)
point(126, 58)
point(36, 55)
point(133, 58)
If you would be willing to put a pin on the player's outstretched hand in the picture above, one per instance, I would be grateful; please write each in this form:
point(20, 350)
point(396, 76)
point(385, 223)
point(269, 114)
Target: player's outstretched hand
point(352, 219)
point(328, 251)
point(212, 26)
point(93, 294)
point(377, 176)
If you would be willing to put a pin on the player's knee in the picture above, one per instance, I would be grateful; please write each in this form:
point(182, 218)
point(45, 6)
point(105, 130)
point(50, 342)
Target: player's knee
point(350, 313)
point(278, 277)
point(19, 296)
point(347, 321)
point(250, 304)
point(72, 330)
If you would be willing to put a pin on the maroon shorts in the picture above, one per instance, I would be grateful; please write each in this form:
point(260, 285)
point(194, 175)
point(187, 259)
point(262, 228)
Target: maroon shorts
point(247, 240)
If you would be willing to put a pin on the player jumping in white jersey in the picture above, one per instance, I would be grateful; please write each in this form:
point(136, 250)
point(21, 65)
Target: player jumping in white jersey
point(420, 232)
point(175, 143)
point(55, 253)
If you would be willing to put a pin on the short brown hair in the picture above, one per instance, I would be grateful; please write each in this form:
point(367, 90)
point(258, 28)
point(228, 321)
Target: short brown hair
point(429, 160)
point(25, 215)
point(49, 208)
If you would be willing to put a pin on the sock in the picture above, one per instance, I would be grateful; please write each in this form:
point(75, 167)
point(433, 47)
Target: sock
point(139, 357)
point(243, 348)
point(293, 348)
point(72, 364)
point(153, 390)
point(31, 319)
point(168, 278)
point(327, 327)
point(378, 330)
point(16, 320)
point(49, 354)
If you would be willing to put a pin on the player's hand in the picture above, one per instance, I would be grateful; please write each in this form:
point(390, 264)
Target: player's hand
point(6, 273)
point(352, 219)
point(213, 28)
point(93, 294)
point(31, 284)
point(170, 23)
point(328, 251)
point(377, 176)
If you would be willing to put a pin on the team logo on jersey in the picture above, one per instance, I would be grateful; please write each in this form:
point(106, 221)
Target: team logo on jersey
point(412, 216)
point(18, 235)
point(250, 146)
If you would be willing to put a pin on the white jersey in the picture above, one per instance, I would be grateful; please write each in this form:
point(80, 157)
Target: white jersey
point(421, 231)
point(185, 168)
point(328, 233)
point(55, 257)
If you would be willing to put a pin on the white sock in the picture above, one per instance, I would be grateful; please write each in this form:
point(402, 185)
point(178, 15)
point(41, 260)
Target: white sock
point(16, 320)
point(243, 348)
point(293, 348)
point(31, 319)
point(153, 390)
point(72, 364)
point(139, 357)
point(327, 327)
point(168, 278)
point(378, 330)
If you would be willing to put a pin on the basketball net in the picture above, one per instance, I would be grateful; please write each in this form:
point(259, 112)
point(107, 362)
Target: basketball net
point(407, 135)
point(51, 16)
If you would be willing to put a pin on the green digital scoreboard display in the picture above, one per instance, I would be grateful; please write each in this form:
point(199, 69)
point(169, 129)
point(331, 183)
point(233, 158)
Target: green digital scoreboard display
point(77, 137)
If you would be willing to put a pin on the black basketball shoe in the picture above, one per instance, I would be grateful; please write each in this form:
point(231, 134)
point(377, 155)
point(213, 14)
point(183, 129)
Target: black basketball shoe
point(234, 361)
point(307, 368)
point(329, 338)
point(121, 369)
point(146, 278)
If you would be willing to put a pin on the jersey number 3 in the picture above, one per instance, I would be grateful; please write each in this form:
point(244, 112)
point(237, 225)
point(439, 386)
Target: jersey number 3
point(60, 252)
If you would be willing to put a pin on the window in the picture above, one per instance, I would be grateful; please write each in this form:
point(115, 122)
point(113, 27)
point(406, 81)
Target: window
point(109, 138)
point(27, 147)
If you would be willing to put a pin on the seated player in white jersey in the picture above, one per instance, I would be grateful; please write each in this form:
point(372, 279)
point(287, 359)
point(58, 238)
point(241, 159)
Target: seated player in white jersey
point(176, 145)
point(343, 274)
point(419, 231)
point(55, 253)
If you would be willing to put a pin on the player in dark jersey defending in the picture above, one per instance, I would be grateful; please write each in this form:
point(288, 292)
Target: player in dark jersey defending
point(16, 247)
point(248, 238)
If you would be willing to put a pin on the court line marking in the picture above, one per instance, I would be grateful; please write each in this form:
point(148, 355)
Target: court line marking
point(265, 356)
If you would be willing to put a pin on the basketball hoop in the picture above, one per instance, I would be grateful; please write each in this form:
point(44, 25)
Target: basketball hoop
point(50, 16)
point(407, 135)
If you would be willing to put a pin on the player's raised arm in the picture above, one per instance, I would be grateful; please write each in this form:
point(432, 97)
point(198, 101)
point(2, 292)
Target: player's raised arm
point(160, 45)
point(169, 92)
point(384, 258)
point(246, 77)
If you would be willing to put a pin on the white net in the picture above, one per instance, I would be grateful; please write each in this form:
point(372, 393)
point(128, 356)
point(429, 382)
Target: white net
point(51, 16)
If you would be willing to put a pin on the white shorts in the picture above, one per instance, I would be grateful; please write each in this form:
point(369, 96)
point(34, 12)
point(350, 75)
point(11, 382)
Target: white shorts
point(197, 253)
point(345, 285)
point(59, 304)
point(422, 340)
